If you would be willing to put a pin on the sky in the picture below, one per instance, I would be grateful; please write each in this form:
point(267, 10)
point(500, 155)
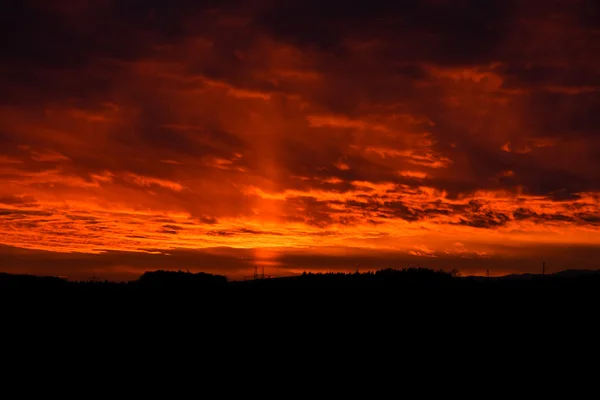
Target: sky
point(298, 136)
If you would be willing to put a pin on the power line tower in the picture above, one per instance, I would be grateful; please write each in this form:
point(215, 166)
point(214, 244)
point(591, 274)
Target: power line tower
point(487, 273)
point(543, 267)
point(256, 276)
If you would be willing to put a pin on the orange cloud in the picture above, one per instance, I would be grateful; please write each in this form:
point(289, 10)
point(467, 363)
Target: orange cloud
point(149, 181)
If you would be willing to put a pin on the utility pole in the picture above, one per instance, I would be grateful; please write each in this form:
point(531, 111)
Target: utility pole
point(543, 267)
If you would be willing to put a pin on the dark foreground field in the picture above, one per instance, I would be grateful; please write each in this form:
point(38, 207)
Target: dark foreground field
point(388, 296)
point(412, 311)
point(415, 284)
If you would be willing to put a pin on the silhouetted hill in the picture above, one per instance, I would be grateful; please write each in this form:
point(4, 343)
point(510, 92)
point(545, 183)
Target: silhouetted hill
point(519, 277)
point(565, 279)
point(202, 302)
point(31, 282)
point(166, 280)
point(576, 273)
point(408, 278)
point(387, 278)
point(175, 284)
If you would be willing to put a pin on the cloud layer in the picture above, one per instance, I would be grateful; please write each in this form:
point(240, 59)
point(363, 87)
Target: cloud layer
point(425, 131)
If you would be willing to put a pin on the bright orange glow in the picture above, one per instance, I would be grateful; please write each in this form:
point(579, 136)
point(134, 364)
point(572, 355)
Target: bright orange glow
point(236, 133)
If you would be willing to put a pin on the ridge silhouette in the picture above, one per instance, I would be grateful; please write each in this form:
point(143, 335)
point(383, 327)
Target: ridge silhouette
point(187, 282)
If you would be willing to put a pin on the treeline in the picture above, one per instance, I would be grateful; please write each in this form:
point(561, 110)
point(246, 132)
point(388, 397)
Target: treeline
point(181, 282)
point(381, 278)
point(180, 279)
point(177, 281)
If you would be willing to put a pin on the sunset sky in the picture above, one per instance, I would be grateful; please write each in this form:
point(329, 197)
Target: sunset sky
point(298, 135)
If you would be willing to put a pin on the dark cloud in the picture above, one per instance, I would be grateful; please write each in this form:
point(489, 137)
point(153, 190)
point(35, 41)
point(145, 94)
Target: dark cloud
point(524, 214)
point(23, 201)
point(486, 220)
point(450, 32)
point(590, 218)
point(550, 77)
point(17, 213)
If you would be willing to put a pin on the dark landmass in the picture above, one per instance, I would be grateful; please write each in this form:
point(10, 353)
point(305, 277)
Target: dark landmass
point(389, 279)
point(425, 304)
point(389, 296)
